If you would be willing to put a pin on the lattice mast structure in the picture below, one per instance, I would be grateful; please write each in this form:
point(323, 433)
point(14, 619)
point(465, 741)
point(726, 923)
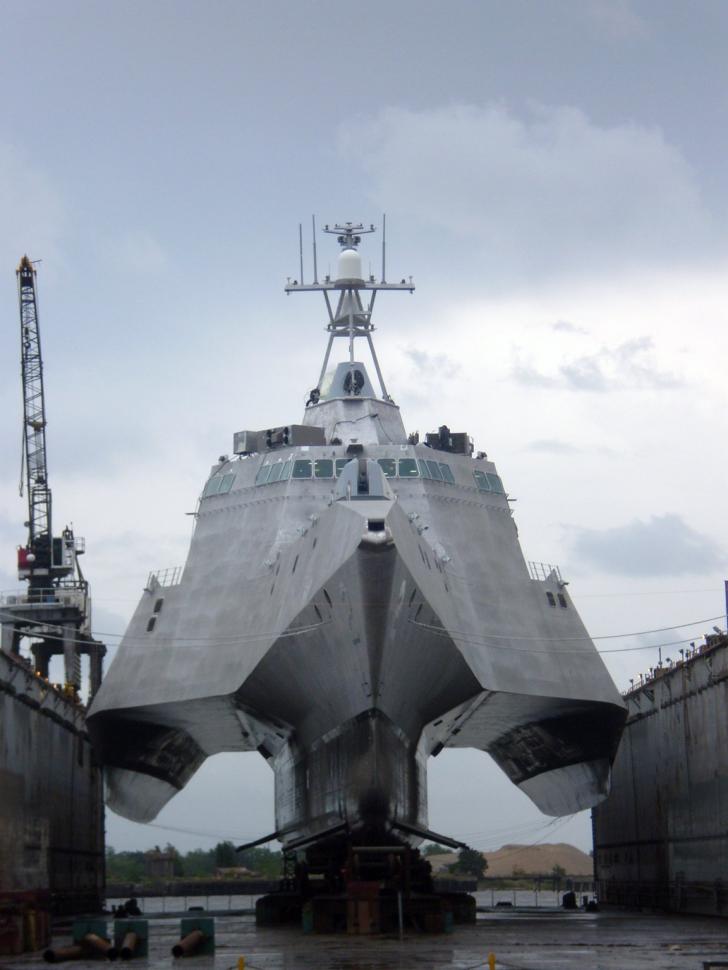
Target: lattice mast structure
point(37, 558)
point(351, 318)
point(55, 614)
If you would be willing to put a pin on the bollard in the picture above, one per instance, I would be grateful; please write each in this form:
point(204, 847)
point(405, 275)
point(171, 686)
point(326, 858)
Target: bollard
point(491, 961)
point(100, 945)
point(128, 945)
point(188, 944)
point(59, 953)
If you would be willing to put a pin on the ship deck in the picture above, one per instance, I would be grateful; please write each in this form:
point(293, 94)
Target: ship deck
point(522, 939)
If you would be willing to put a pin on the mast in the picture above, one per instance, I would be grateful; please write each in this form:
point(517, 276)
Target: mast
point(350, 319)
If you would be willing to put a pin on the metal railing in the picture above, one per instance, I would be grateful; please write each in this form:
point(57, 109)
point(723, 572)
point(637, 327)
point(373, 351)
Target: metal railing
point(165, 577)
point(50, 596)
point(543, 571)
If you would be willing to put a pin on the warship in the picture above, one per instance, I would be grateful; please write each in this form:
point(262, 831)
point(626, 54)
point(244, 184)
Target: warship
point(354, 601)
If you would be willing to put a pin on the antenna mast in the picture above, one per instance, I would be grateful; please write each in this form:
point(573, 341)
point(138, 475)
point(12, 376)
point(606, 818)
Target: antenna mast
point(350, 319)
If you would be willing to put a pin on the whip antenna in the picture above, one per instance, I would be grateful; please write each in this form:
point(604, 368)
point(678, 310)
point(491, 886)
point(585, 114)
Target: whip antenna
point(315, 265)
point(300, 248)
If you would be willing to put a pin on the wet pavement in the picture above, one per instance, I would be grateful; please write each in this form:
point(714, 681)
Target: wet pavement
point(519, 939)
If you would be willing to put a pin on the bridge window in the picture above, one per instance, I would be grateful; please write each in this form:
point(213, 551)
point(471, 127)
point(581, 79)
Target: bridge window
point(435, 472)
point(302, 468)
point(263, 472)
point(275, 472)
point(286, 470)
point(341, 464)
point(324, 468)
point(212, 487)
point(226, 484)
point(447, 475)
point(408, 468)
point(495, 483)
point(388, 466)
point(481, 480)
point(550, 597)
point(424, 470)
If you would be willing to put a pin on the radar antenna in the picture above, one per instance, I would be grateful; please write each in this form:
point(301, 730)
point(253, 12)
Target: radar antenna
point(350, 319)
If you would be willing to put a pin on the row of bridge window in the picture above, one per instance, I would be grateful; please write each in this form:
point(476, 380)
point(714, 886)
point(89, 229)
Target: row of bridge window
point(282, 471)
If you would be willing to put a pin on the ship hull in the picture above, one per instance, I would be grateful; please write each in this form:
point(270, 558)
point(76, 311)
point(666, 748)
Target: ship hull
point(382, 658)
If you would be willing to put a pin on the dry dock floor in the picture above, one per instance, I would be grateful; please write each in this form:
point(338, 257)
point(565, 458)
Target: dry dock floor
point(519, 939)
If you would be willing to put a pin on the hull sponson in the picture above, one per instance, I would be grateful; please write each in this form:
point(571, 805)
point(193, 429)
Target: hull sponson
point(326, 633)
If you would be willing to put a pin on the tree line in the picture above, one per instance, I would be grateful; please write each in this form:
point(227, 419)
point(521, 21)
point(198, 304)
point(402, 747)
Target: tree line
point(196, 864)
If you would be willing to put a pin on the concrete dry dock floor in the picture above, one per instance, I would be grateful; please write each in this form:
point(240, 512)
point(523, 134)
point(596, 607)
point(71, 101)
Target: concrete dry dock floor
point(520, 939)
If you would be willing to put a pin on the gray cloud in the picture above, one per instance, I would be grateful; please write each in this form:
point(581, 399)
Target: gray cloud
point(543, 190)
point(552, 446)
point(616, 19)
point(628, 366)
point(12, 534)
point(563, 326)
point(34, 215)
point(139, 252)
point(432, 365)
point(665, 545)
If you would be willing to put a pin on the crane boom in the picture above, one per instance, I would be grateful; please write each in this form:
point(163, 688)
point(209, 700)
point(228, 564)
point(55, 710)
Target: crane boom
point(40, 544)
point(54, 615)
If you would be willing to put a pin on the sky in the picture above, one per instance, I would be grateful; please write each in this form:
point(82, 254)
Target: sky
point(554, 180)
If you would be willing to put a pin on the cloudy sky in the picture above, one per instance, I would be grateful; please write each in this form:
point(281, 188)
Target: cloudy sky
point(554, 179)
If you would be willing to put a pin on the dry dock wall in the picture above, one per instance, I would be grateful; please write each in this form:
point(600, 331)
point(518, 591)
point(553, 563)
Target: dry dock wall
point(661, 838)
point(51, 807)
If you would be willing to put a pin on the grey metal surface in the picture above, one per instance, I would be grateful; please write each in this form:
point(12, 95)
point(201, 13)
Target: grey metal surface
point(661, 838)
point(348, 629)
point(519, 940)
point(51, 794)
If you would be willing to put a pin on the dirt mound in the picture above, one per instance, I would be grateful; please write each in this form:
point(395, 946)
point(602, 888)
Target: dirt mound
point(537, 860)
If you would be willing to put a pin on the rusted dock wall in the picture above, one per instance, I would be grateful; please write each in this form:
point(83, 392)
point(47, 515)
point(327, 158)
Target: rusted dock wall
point(51, 807)
point(661, 838)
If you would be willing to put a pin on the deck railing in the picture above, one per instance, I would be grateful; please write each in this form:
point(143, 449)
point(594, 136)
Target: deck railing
point(165, 577)
point(544, 570)
point(53, 596)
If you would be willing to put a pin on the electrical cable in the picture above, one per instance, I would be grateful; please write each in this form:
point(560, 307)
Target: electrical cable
point(482, 640)
point(485, 639)
point(205, 835)
point(216, 641)
point(508, 832)
point(652, 592)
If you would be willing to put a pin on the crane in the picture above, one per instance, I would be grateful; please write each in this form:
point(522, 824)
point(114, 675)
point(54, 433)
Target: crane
point(55, 614)
point(44, 561)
